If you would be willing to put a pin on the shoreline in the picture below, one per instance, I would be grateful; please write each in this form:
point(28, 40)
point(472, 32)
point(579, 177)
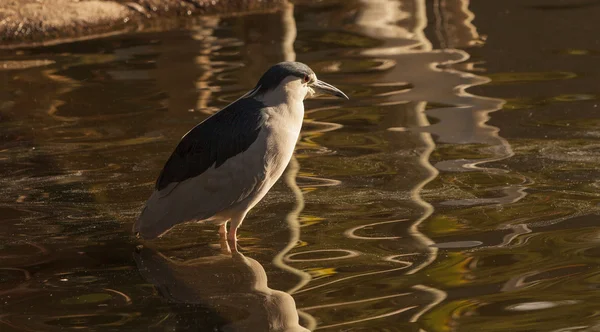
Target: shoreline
point(35, 23)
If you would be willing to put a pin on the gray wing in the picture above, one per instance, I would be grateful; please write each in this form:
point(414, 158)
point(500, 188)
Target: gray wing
point(217, 164)
point(224, 135)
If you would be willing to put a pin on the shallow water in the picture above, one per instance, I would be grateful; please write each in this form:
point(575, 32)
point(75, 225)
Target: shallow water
point(456, 191)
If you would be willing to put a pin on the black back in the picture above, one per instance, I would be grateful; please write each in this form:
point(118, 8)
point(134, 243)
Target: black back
point(228, 132)
point(223, 135)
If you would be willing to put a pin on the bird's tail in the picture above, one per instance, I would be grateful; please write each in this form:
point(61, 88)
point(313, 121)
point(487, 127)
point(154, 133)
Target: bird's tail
point(155, 219)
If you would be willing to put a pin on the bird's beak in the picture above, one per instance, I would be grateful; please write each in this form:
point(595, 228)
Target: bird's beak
point(322, 87)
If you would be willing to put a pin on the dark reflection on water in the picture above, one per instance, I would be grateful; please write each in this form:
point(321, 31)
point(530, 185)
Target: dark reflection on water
point(456, 191)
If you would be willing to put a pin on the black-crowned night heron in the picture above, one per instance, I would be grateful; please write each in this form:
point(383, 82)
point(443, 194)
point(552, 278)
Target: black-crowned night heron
point(225, 165)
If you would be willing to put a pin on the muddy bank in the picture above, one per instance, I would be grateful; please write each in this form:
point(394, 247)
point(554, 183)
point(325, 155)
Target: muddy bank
point(38, 22)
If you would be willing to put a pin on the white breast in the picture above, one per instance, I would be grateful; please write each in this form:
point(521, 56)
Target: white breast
point(281, 132)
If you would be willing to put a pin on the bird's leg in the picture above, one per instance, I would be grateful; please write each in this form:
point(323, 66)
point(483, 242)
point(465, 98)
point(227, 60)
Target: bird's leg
point(223, 229)
point(232, 239)
point(225, 249)
point(232, 236)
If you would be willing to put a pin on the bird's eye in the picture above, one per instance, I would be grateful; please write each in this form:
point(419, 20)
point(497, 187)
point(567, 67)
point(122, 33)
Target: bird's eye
point(306, 79)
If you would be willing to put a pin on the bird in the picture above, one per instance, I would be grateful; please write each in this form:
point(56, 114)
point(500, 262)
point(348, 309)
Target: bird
point(226, 164)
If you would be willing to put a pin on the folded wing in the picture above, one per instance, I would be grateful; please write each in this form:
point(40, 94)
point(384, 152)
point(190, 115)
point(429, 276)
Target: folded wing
point(218, 164)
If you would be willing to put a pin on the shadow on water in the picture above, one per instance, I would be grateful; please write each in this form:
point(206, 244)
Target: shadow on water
point(455, 191)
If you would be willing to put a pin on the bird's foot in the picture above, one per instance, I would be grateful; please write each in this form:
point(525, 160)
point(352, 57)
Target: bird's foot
point(223, 241)
point(232, 241)
point(225, 249)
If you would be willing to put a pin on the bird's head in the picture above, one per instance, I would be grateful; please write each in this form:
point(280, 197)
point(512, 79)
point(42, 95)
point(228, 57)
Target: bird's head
point(292, 81)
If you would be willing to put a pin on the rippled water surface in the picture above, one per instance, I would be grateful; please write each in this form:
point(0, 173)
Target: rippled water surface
point(458, 189)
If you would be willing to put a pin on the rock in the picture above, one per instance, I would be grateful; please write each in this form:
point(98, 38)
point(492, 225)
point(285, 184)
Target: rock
point(41, 22)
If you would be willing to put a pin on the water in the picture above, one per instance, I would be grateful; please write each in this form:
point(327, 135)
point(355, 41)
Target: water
point(456, 191)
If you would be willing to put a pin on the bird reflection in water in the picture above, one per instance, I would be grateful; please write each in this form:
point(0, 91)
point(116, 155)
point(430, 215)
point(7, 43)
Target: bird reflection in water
point(221, 293)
